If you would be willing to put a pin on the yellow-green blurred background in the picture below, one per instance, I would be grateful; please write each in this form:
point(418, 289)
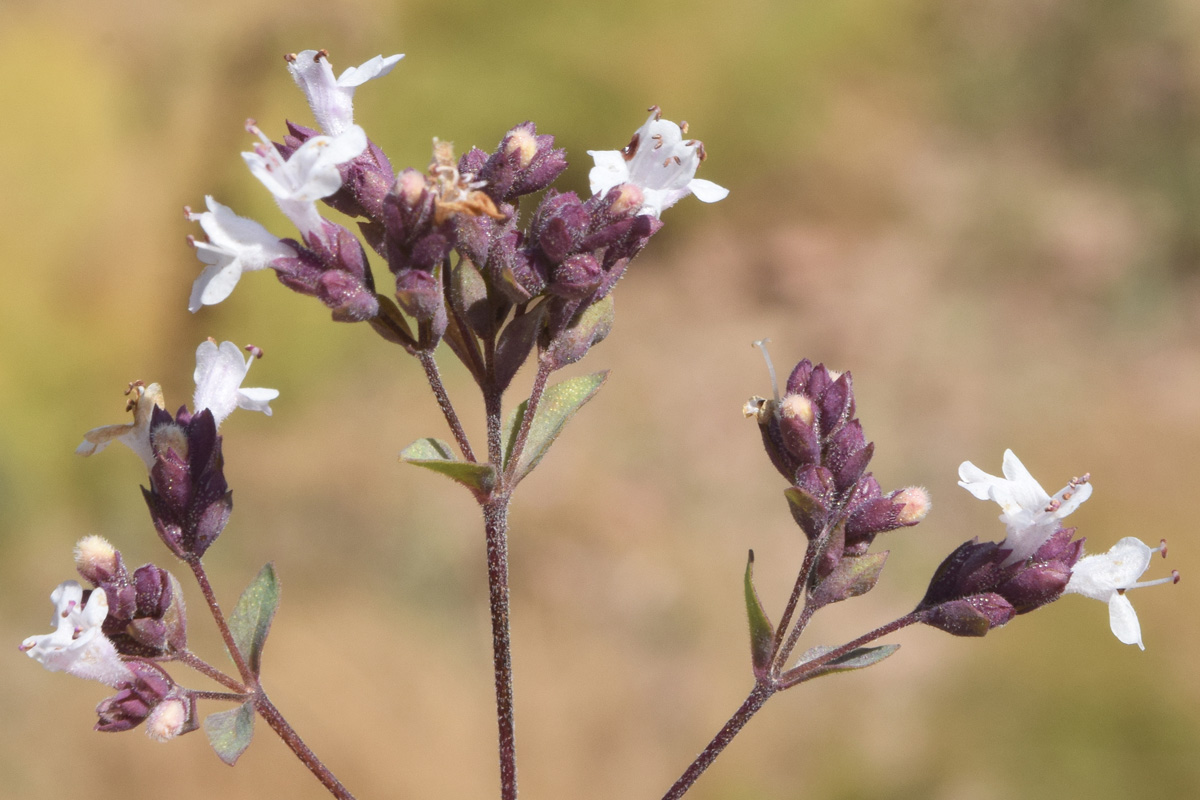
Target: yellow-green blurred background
point(988, 210)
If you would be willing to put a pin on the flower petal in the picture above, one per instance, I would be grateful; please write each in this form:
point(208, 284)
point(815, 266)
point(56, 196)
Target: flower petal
point(1123, 621)
point(707, 191)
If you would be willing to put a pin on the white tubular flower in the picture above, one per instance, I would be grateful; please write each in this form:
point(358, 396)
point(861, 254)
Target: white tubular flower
point(235, 245)
point(659, 162)
point(332, 99)
point(77, 645)
point(1108, 576)
point(1030, 514)
point(136, 434)
point(220, 371)
point(308, 176)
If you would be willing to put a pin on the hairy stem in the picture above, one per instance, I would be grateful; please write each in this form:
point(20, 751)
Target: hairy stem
point(801, 581)
point(808, 669)
point(495, 517)
point(270, 713)
point(758, 696)
point(535, 397)
point(190, 659)
point(443, 401)
point(248, 677)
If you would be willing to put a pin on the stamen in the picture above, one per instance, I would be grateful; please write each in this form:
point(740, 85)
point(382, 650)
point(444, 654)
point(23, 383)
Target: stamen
point(254, 351)
point(1173, 578)
point(683, 126)
point(1162, 548)
point(762, 345)
point(678, 160)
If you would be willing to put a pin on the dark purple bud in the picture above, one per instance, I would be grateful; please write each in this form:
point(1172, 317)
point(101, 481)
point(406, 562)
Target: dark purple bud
point(523, 163)
point(347, 296)
point(969, 616)
point(559, 225)
point(798, 381)
point(420, 294)
point(472, 161)
point(797, 429)
point(586, 331)
point(874, 515)
point(133, 703)
point(99, 562)
point(188, 498)
point(576, 277)
point(836, 401)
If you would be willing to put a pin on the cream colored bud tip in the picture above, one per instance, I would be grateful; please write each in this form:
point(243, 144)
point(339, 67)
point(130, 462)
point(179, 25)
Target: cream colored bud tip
point(916, 504)
point(797, 406)
point(523, 142)
point(95, 552)
point(630, 199)
point(167, 719)
point(411, 184)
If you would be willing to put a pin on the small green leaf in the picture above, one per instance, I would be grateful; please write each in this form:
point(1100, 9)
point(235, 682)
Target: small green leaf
point(859, 658)
point(436, 455)
point(229, 732)
point(250, 621)
point(762, 633)
point(558, 404)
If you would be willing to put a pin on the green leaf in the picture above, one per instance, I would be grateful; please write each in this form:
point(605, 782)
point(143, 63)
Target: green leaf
point(229, 732)
point(436, 455)
point(558, 404)
point(859, 658)
point(762, 633)
point(250, 621)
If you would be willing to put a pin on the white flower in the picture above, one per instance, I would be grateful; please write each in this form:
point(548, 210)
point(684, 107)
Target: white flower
point(310, 174)
point(332, 99)
point(1107, 577)
point(235, 245)
point(1030, 514)
point(77, 645)
point(657, 161)
point(136, 434)
point(219, 375)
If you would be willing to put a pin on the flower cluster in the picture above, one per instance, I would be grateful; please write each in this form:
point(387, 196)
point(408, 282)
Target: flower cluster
point(517, 287)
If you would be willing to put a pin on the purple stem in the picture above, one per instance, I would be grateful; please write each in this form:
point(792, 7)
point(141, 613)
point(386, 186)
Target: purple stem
point(443, 401)
point(758, 696)
point(495, 518)
point(256, 694)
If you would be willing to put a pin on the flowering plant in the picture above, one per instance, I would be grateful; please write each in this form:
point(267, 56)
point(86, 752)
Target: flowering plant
point(488, 258)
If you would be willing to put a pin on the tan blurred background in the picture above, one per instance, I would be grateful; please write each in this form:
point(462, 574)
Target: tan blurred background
point(988, 210)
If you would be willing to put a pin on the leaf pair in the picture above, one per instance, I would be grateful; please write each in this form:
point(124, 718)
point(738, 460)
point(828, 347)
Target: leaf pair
point(557, 405)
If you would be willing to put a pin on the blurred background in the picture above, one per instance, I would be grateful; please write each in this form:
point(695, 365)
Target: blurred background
point(988, 211)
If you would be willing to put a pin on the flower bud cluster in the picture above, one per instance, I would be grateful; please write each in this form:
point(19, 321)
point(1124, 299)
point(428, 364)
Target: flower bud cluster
point(146, 613)
point(814, 439)
point(188, 498)
point(976, 588)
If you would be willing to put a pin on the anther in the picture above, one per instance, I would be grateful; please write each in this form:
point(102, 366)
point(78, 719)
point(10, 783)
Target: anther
point(1162, 547)
point(254, 351)
point(683, 126)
